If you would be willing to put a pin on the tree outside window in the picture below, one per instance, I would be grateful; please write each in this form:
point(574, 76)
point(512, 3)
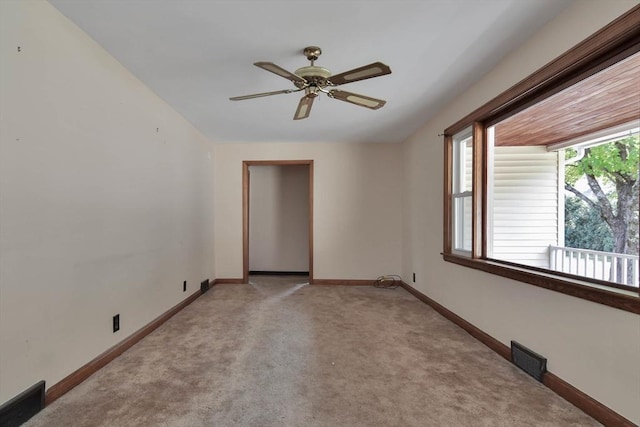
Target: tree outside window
point(601, 209)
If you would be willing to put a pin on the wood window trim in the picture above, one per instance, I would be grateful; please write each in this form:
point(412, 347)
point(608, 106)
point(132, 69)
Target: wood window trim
point(448, 194)
point(478, 201)
point(617, 40)
point(549, 281)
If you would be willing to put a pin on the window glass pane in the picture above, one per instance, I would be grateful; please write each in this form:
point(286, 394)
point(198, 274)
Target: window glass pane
point(468, 165)
point(462, 228)
point(462, 192)
point(462, 161)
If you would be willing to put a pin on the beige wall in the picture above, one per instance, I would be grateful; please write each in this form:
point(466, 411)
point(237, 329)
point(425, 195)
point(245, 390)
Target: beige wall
point(594, 347)
point(279, 218)
point(357, 197)
point(105, 200)
point(100, 213)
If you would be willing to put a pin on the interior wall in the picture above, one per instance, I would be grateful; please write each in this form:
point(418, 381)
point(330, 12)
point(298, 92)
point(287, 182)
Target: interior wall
point(279, 218)
point(357, 197)
point(592, 346)
point(105, 200)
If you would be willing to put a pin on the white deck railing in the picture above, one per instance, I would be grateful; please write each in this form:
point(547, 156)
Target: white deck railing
point(612, 267)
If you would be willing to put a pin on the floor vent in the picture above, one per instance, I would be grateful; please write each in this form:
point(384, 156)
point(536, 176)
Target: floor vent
point(528, 360)
point(204, 286)
point(22, 407)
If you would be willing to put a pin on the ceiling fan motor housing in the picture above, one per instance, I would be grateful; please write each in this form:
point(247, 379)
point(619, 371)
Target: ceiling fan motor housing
point(316, 76)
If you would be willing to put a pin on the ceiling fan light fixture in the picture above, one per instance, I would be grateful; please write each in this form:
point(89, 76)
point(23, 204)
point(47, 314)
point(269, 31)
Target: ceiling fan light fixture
point(311, 91)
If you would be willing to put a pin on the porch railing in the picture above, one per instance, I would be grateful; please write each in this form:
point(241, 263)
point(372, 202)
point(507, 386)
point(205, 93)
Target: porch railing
point(612, 267)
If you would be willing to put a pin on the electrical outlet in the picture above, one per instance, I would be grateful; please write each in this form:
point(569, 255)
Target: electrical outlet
point(414, 277)
point(116, 323)
point(184, 286)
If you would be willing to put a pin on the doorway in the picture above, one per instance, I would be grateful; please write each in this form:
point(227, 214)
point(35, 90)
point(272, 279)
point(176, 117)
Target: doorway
point(247, 167)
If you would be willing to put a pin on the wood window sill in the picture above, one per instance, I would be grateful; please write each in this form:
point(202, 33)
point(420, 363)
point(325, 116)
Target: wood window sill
point(620, 299)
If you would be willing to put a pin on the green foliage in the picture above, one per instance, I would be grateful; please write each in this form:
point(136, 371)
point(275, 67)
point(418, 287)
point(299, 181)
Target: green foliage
point(605, 161)
point(612, 172)
point(584, 228)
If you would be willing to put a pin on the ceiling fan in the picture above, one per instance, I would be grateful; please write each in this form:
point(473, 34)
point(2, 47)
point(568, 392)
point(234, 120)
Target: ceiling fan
point(313, 80)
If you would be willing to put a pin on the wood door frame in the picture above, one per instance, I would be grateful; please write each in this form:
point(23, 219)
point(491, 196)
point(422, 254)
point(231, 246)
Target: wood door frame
point(246, 181)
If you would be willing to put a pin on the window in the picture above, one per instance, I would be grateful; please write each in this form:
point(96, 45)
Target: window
point(569, 207)
point(462, 192)
point(518, 184)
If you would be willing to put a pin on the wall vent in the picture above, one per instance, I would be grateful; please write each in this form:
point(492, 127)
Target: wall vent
point(204, 286)
point(18, 410)
point(528, 360)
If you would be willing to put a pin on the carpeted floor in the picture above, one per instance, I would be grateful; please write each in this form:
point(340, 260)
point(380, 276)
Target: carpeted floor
point(278, 352)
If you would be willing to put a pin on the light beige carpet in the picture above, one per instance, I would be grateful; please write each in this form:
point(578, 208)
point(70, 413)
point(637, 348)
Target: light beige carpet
point(278, 352)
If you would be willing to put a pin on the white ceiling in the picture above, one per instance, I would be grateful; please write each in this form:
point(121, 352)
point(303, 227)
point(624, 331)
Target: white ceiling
point(195, 54)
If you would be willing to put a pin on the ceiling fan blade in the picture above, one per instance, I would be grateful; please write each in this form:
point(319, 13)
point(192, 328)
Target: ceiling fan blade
point(270, 66)
point(366, 72)
point(260, 95)
point(354, 98)
point(304, 108)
